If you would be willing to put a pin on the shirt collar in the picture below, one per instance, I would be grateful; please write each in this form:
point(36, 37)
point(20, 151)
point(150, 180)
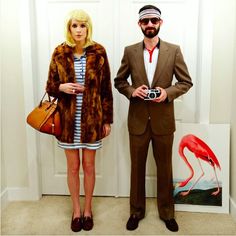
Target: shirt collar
point(158, 44)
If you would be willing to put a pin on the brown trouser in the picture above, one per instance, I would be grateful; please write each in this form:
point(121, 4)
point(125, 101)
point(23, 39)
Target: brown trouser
point(162, 152)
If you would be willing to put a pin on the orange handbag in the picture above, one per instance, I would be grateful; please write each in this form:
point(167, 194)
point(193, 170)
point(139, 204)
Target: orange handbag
point(45, 117)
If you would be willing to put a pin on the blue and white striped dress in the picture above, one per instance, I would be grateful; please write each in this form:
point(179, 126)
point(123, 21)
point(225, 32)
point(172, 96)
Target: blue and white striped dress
point(80, 67)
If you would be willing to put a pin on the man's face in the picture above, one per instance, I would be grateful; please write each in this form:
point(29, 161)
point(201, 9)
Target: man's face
point(150, 26)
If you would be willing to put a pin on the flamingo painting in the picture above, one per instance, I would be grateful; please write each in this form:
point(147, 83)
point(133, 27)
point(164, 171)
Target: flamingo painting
point(203, 153)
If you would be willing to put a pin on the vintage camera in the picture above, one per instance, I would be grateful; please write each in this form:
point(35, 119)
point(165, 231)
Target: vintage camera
point(152, 94)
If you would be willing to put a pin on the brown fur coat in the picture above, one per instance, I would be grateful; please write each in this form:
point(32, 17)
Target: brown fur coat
point(97, 106)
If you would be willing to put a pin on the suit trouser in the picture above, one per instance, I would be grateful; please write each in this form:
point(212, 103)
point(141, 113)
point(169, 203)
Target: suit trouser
point(162, 152)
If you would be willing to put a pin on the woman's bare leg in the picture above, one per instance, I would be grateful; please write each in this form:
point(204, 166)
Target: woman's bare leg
point(73, 165)
point(88, 163)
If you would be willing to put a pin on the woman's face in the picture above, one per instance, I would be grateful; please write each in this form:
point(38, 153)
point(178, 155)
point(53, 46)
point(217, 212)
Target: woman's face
point(78, 31)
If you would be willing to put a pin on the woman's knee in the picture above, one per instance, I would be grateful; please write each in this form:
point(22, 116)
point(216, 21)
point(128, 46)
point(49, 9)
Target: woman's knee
point(88, 168)
point(73, 170)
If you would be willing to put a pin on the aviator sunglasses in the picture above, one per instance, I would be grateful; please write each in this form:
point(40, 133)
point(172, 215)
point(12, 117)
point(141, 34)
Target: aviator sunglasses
point(145, 21)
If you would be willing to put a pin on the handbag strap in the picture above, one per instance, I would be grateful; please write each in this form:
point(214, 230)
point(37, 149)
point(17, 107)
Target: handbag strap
point(49, 99)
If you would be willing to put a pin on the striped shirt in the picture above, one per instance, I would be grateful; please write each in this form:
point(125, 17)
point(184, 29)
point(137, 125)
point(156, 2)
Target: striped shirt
point(80, 67)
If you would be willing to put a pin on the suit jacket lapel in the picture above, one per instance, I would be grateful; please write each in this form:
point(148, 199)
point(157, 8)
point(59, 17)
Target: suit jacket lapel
point(161, 62)
point(138, 57)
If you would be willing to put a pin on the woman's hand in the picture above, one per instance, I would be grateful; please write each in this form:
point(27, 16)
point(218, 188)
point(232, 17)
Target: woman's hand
point(71, 88)
point(106, 129)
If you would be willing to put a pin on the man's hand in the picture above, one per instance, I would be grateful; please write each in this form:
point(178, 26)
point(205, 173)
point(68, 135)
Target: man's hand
point(162, 97)
point(140, 92)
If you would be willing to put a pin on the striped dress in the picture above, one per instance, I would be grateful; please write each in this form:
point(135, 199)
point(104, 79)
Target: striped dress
point(80, 67)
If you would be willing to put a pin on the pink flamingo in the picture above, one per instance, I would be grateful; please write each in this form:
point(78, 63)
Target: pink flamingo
point(201, 151)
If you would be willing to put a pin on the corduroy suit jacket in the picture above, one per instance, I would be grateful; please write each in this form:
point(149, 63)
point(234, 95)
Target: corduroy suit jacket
point(161, 115)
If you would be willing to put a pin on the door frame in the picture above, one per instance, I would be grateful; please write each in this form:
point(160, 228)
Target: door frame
point(33, 191)
point(27, 22)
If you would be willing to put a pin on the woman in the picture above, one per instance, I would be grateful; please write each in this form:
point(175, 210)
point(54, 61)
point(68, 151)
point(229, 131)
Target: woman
point(79, 76)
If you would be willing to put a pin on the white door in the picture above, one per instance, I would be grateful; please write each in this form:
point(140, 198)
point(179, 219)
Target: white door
point(180, 25)
point(50, 17)
point(115, 26)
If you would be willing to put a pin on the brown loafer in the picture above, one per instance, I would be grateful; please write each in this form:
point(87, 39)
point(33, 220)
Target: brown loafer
point(87, 223)
point(76, 224)
point(132, 222)
point(171, 225)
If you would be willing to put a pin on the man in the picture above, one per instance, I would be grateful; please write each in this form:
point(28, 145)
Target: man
point(152, 64)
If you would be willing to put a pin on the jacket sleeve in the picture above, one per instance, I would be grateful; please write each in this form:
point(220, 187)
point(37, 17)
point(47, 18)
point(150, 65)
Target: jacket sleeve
point(121, 80)
point(184, 82)
point(106, 92)
point(53, 82)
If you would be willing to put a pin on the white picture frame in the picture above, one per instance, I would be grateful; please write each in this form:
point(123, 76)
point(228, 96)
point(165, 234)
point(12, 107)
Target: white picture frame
point(200, 197)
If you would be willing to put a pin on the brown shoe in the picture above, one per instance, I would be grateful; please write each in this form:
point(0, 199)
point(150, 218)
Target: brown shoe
point(171, 225)
point(132, 222)
point(76, 224)
point(87, 222)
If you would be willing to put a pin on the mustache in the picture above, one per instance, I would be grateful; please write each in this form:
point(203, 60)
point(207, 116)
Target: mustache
point(150, 28)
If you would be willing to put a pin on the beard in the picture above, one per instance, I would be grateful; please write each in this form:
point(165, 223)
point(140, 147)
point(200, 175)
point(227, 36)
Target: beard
point(151, 32)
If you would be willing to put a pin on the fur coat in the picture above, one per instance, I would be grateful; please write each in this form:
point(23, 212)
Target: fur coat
point(97, 105)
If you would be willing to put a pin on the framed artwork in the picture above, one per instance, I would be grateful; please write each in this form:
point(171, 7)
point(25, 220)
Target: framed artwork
point(201, 167)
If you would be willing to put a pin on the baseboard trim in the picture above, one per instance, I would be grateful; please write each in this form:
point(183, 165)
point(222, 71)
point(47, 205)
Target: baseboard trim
point(233, 208)
point(4, 199)
point(22, 194)
point(17, 194)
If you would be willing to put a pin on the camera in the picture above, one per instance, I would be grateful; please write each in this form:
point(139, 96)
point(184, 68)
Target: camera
point(152, 94)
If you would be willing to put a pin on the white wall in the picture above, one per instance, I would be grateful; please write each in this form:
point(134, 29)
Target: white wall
point(233, 130)
point(14, 168)
point(223, 83)
point(233, 142)
point(13, 139)
point(222, 60)
point(3, 173)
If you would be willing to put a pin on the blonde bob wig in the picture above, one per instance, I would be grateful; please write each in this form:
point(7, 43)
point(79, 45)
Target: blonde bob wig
point(78, 15)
